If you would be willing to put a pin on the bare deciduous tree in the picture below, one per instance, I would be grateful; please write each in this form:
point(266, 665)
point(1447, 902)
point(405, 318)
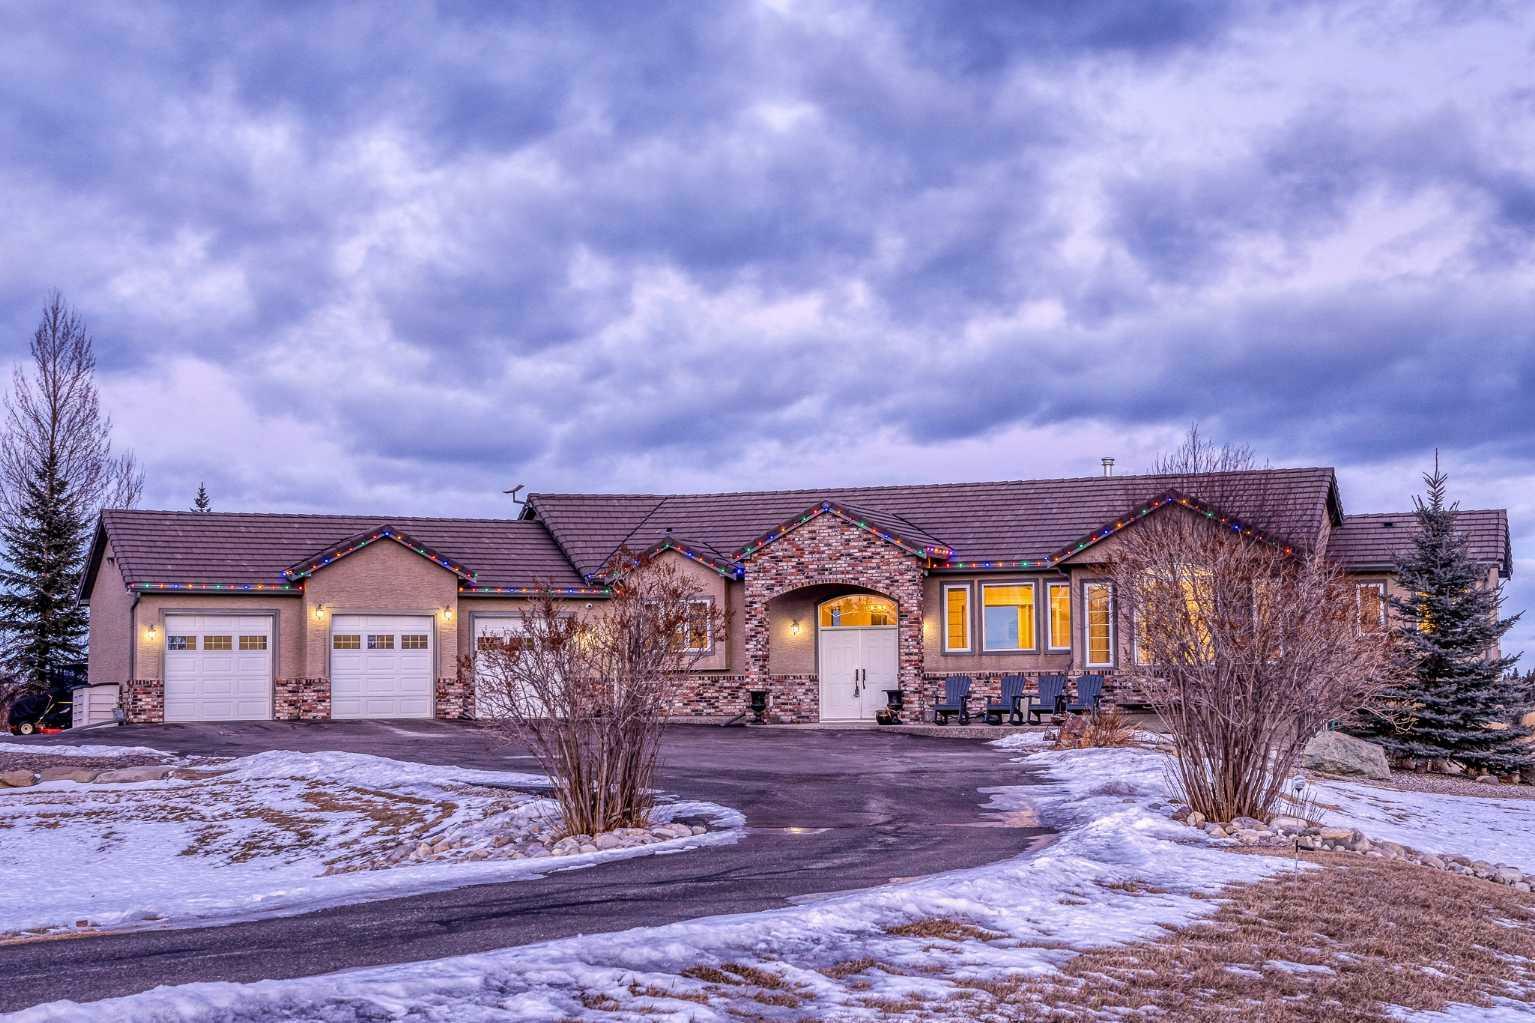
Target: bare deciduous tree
point(588, 691)
point(57, 470)
point(1245, 645)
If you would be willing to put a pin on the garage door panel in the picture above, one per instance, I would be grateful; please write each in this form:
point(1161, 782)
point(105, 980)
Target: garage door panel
point(380, 667)
point(209, 677)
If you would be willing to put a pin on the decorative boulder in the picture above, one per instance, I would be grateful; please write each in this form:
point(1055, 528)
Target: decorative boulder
point(1336, 753)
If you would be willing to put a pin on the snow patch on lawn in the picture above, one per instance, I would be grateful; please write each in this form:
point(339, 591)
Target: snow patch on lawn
point(1496, 830)
point(1119, 871)
point(272, 834)
point(84, 750)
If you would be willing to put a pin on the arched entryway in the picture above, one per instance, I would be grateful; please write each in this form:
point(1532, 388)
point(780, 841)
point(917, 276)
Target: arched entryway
point(857, 655)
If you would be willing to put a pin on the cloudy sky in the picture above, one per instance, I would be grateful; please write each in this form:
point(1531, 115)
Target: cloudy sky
point(391, 257)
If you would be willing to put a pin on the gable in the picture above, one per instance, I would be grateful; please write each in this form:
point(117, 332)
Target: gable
point(351, 545)
point(1099, 541)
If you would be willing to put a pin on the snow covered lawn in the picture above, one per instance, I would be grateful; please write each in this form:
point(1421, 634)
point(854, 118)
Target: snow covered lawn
point(277, 833)
point(1495, 830)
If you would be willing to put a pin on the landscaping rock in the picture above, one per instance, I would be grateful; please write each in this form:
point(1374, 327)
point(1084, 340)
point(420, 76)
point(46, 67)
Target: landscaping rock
point(1452, 767)
point(608, 840)
point(128, 775)
point(80, 774)
point(1487, 779)
point(1215, 831)
point(1507, 875)
point(1240, 823)
point(1336, 753)
point(1288, 825)
point(17, 779)
point(1195, 819)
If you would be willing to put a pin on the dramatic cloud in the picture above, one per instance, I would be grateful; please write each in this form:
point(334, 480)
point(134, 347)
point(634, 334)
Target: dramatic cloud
point(398, 257)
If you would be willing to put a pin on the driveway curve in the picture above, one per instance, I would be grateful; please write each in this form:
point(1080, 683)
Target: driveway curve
point(827, 811)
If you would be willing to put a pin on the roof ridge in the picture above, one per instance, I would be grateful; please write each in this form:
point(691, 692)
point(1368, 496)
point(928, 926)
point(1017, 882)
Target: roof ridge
point(919, 486)
point(380, 519)
point(1414, 514)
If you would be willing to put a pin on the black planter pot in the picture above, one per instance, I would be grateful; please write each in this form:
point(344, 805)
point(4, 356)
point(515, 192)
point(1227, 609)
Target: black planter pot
point(759, 705)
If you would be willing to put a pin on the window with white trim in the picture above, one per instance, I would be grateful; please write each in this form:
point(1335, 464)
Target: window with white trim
point(1058, 615)
point(1370, 599)
point(218, 642)
point(956, 618)
point(1008, 616)
point(181, 642)
point(252, 642)
point(698, 630)
point(1098, 625)
point(346, 641)
point(380, 641)
point(413, 641)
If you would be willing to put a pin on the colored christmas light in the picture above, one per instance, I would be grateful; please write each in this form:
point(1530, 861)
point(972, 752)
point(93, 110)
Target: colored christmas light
point(938, 552)
point(153, 587)
point(524, 591)
point(1171, 497)
point(357, 543)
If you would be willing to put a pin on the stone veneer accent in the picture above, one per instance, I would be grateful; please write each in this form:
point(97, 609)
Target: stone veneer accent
point(829, 550)
point(454, 699)
point(143, 701)
point(987, 686)
point(301, 699)
point(792, 699)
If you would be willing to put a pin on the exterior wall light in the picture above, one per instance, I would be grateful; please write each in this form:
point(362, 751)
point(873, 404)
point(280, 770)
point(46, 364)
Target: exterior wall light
point(794, 627)
point(447, 614)
point(319, 612)
point(150, 631)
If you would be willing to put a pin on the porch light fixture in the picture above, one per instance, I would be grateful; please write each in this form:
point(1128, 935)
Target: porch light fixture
point(319, 612)
point(447, 614)
point(149, 631)
point(794, 627)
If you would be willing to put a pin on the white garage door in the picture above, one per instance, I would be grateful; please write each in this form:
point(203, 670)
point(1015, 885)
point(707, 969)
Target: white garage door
point(218, 668)
point(381, 666)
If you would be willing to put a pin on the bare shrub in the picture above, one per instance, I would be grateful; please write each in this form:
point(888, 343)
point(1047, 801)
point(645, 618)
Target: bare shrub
point(588, 691)
point(1105, 728)
point(1245, 641)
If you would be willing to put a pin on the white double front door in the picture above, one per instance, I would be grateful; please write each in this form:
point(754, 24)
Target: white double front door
point(857, 665)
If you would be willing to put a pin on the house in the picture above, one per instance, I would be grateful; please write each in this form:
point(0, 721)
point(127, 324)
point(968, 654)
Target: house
point(832, 596)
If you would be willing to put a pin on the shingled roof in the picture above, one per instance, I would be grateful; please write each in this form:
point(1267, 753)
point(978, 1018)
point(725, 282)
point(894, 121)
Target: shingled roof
point(1375, 542)
point(169, 549)
point(1004, 522)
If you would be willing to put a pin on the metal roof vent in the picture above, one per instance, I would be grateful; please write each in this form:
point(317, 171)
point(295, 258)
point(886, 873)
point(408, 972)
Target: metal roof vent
point(1108, 466)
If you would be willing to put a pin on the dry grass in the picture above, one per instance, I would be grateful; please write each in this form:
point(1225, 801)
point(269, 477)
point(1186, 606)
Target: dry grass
point(846, 969)
point(1110, 727)
point(1438, 939)
point(943, 929)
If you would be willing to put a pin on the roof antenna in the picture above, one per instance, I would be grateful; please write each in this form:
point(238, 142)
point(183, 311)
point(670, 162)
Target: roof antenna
point(1108, 466)
point(513, 492)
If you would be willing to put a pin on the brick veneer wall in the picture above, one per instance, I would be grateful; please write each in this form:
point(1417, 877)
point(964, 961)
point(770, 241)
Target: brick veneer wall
point(792, 699)
point(455, 699)
point(143, 701)
point(829, 550)
point(301, 699)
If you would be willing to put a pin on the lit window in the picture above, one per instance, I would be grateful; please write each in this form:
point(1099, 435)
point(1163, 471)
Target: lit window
point(380, 641)
point(1007, 616)
point(346, 641)
point(1099, 628)
point(1060, 615)
point(699, 625)
point(413, 641)
point(956, 618)
point(252, 642)
point(1372, 606)
point(857, 610)
point(218, 643)
point(181, 642)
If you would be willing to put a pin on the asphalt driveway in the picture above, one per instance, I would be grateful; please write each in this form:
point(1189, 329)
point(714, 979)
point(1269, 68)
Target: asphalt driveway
point(826, 810)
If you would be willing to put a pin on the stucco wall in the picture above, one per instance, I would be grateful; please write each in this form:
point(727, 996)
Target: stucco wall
point(382, 578)
point(111, 631)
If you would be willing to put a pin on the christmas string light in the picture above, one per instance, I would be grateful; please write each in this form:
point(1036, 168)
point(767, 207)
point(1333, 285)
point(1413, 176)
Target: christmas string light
point(218, 587)
point(568, 591)
point(1171, 497)
point(939, 552)
point(357, 543)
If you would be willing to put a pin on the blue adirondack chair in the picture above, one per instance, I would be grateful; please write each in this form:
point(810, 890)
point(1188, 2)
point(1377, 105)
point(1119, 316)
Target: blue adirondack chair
point(1007, 703)
point(1089, 693)
point(956, 694)
point(1051, 689)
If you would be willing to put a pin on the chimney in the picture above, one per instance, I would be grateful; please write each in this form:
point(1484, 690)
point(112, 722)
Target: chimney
point(1108, 466)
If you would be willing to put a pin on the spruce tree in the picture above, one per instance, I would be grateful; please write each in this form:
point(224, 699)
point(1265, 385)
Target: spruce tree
point(202, 502)
point(1459, 702)
point(57, 470)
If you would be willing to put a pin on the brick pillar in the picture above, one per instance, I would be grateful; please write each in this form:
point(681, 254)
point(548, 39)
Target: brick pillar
point(454, 699)
point(301, 699)
point(143, 701)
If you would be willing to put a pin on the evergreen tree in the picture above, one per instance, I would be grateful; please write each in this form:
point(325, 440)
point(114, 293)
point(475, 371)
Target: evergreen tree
point(202, 502)
point(56, 471)
point(1459, 702)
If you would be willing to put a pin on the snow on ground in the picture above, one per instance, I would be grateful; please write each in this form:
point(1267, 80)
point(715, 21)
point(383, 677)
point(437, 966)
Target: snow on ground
point(1495, 830)
point(1118, 871)
point(1502, 1010)
point(274, 833)
point(98, 750)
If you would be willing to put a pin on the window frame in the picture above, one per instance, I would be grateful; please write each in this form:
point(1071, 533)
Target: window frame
point(424, 637)
point(1050, 644)
point(381, 637)
point(223, 642)
point(1087, 624)
point(943, 625)
point(1033, 586)
point(1380, 590)
point(687, 627)
point(190, 643)
point(336, 637)
point(258, 645)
